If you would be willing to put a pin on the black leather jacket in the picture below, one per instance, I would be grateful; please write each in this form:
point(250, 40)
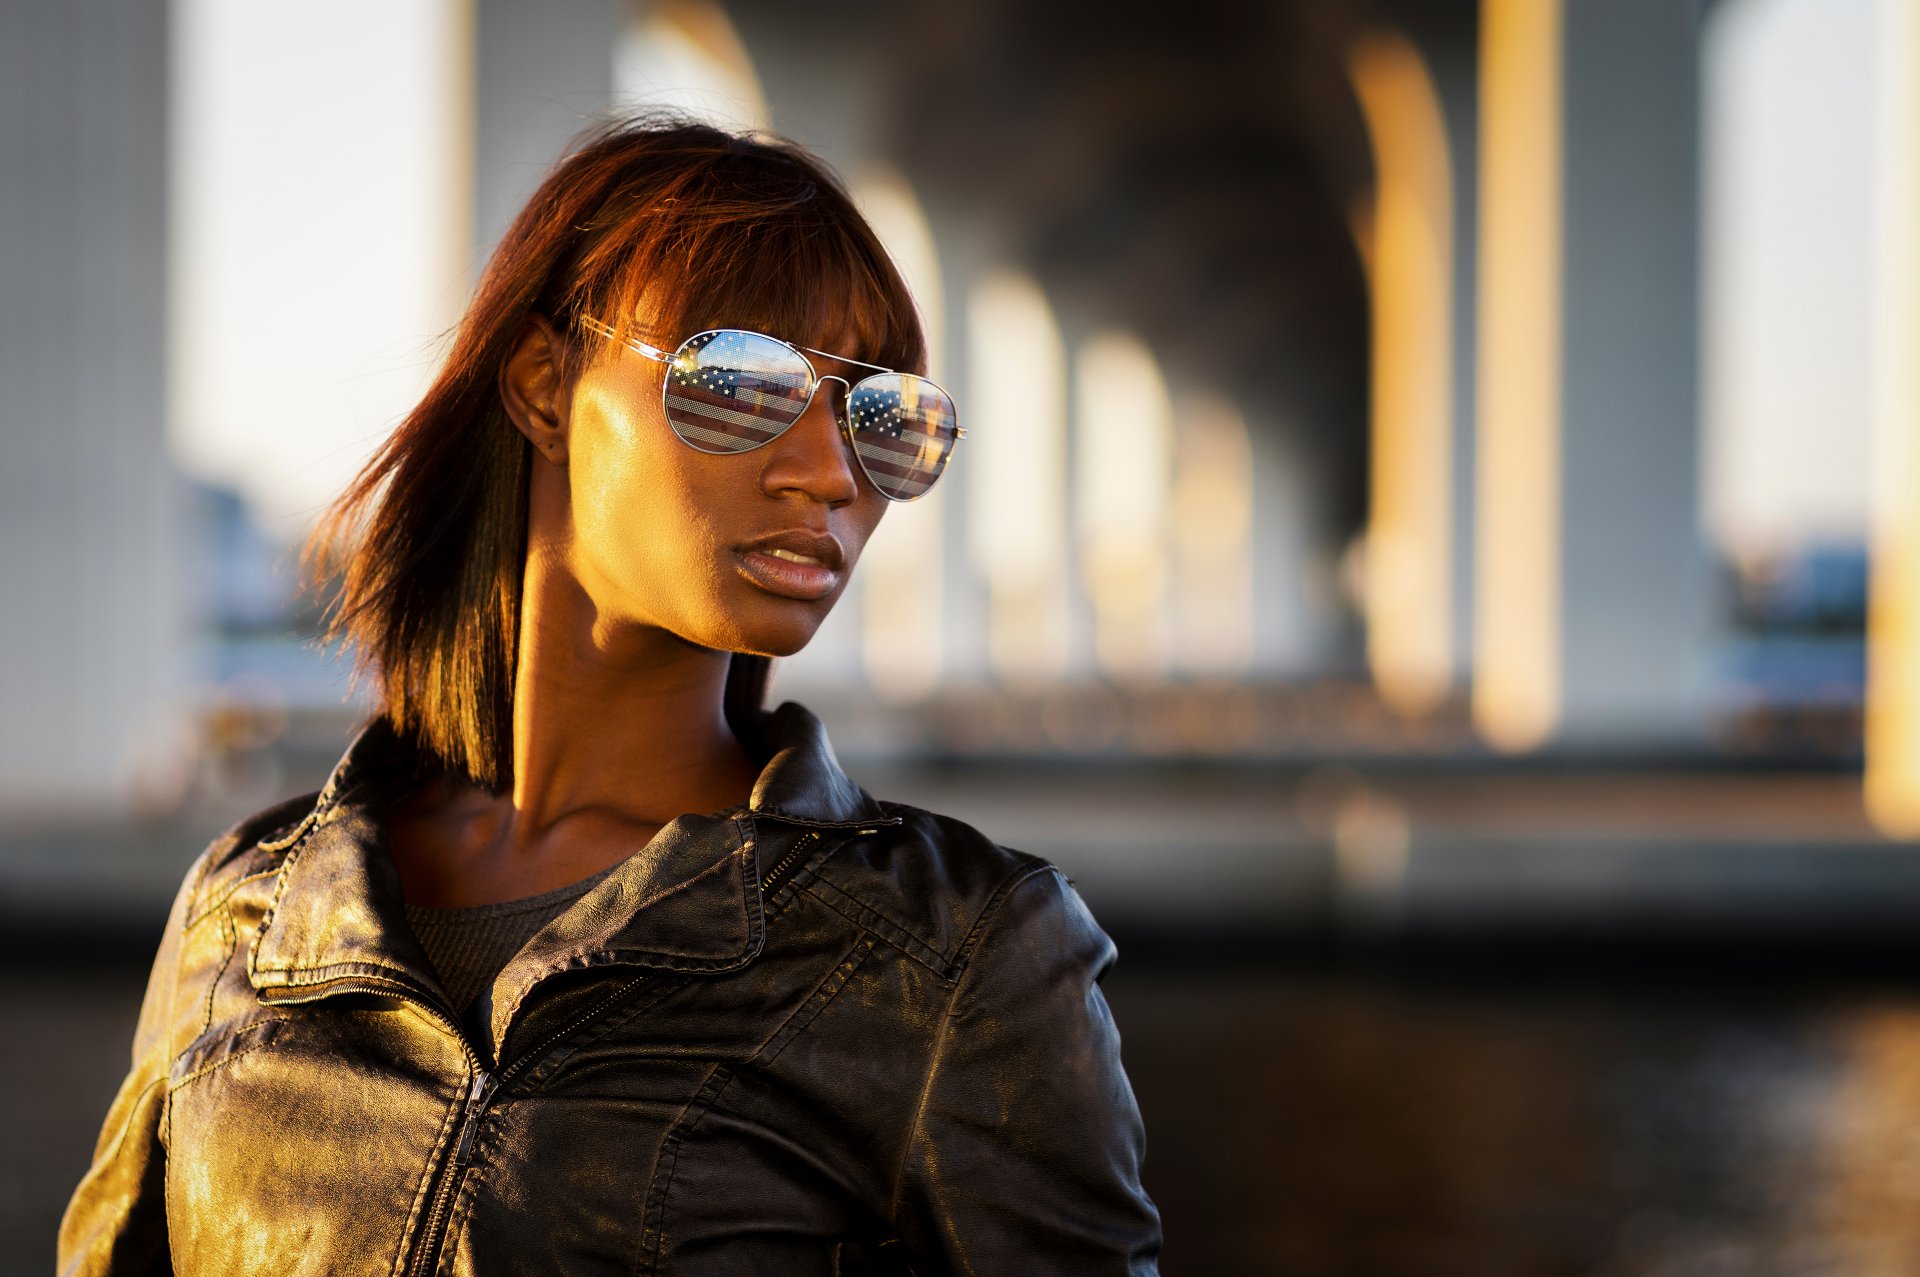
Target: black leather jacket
point(818, 1034)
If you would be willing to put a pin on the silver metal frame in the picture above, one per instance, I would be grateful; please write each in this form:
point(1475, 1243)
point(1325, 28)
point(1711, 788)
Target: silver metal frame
point(846, 423)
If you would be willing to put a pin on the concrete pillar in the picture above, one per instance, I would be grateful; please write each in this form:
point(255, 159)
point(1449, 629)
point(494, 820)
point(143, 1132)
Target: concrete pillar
point(1593, 613)
point(966, 254)
point(1637, 609)
point(1454, 76)
point(1893, 629)
point(91, 618)
point(1295, 634)
point(1407, 246)
point(541, 74)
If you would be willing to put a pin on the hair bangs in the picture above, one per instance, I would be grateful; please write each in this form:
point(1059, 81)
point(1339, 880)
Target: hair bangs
point(811, 273)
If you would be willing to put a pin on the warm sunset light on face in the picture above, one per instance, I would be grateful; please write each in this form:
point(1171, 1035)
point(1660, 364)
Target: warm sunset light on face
point(653, 529)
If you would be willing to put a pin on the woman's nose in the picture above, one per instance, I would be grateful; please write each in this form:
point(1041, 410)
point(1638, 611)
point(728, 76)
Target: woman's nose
point(813, 455)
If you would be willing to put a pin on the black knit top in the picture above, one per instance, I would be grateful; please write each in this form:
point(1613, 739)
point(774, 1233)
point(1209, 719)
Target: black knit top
point(469, 946)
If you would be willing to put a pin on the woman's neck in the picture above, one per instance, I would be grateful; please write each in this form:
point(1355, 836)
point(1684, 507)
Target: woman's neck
point(617, 729)
point(615, 715)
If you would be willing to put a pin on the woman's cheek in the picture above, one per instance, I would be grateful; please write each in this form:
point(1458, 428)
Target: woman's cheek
point(656, 551)
point(615, 528)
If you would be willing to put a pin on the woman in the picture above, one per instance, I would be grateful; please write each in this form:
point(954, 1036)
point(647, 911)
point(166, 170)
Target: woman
point(441, 1015)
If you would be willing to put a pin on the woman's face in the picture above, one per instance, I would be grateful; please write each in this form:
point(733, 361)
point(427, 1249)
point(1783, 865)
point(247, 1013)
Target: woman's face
point(656, 532)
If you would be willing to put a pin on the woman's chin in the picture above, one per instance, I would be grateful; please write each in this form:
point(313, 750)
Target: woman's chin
point(773, 637)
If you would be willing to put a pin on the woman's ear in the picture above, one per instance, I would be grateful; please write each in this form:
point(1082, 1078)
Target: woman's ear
point(531, 388)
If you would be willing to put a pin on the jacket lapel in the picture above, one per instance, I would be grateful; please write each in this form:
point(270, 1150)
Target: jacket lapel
point(337, 913)
point(337, 910)
point(688, 901)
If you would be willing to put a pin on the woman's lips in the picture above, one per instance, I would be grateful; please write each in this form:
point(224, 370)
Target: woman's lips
point(786, 577)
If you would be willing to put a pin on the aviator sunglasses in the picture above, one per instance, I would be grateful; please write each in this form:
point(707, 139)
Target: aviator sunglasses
point(731, 390)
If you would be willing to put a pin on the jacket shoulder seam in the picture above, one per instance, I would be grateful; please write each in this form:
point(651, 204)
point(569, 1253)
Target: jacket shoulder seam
point(945, 962)
point(879, 926)
point(214, 897)
point(265, 825)
point(243, 836)
point(963, 956)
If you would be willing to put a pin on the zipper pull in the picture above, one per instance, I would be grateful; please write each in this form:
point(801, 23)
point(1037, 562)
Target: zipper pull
point(477, 1099)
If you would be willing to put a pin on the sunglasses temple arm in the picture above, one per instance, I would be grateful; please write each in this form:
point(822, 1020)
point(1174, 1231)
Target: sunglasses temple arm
point(631, 343)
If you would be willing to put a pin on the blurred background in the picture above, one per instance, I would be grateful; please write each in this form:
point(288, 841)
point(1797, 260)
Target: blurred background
point(1432, 557)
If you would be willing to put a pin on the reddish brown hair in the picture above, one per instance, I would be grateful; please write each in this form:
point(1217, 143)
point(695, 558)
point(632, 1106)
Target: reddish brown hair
point(426, 548)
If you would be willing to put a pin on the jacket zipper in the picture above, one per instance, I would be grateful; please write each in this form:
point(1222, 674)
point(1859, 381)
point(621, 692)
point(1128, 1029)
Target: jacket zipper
point(486, 1084)
point(780, 866)
point(480, 1095)
point(427, 1250)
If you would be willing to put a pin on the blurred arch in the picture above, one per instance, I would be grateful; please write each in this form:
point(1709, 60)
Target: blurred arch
point(1016, 491)
point(686, 55)
point(1123, 444)
point(902, 597)
point(1210, 513)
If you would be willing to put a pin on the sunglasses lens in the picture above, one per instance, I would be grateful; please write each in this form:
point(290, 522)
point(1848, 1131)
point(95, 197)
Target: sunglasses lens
point(728, 391)
point(903, 429)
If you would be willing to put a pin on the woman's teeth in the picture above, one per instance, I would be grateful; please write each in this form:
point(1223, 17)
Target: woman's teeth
point(792, 557)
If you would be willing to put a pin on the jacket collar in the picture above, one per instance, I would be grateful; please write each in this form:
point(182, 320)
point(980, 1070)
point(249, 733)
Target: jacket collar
point(689, 901)
point(801, 780)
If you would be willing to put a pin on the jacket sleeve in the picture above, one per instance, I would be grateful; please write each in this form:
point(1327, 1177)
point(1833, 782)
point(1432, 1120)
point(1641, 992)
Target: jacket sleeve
point(116, 1221)
point(1025, 1153)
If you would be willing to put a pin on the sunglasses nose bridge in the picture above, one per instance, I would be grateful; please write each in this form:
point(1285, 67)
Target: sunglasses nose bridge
point(843, 410)
point(841, 415)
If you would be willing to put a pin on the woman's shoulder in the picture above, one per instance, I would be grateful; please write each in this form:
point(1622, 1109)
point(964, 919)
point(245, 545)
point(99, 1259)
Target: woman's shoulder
point(934, 882)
